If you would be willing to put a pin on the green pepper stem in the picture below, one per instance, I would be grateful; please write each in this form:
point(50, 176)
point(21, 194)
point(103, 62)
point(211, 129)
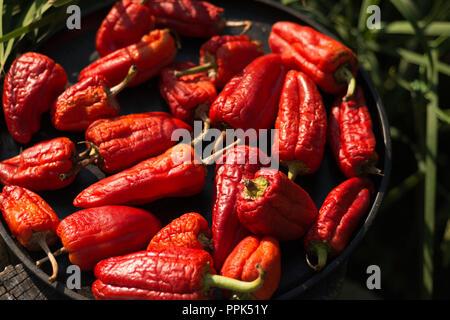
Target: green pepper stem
point(255, 188)
point(128, 78)
point(218, 281)
point(43, 244)
point(343, 74)
point(194, 70)
point(320, 249)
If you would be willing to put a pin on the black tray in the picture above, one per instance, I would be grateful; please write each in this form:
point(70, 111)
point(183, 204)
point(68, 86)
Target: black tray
point(76, 49)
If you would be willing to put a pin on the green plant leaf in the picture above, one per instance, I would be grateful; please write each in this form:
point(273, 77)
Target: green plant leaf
point(435, 28)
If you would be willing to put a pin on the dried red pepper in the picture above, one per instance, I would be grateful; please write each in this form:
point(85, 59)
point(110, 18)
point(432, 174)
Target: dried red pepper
point(273, 205)
point(251, 251)
point(301, 125)
point(182, 274)
point(150, 55)
point(340, 214)
point(351, 137)
point(190, 230)
point(31, 220)
point(125, 24)
point(31, 85)
point(121, 142)
point(86, 101)
point(330, 64)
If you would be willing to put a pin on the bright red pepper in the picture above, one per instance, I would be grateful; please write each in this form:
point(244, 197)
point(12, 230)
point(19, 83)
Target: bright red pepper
point(176, 273)
point(273, 205)
point(150, 55)
point(301, 125)
point(125, 24)
point(351, 137)
point(340, 214)
point(31, 85)
point(123, 141)
point(251, 251)
point(329, 63)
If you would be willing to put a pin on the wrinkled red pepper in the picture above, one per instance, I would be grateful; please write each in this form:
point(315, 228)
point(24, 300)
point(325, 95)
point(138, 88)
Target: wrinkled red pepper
point(351, 137)
point(181, 274)
point(31, 85)
point(330, 64)
point(93, 234)
point(340, 214)
point(150, 55)
point(273, 205)
point(301, 125)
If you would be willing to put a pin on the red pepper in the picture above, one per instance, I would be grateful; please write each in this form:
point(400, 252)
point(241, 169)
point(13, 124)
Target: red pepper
point(124, 25)
point(93, 234)
point(190, 230)
point(250, 99)
point(176, 273)
point(273, 205)
point(225, 56)
point(32, 221)
point(301, 125)
point(86, 101)
point(251, 251)
point(351, 137)
point(150, 55)
point(329, 63)
point(123, 141)
point(31, 85)
point(340, 214)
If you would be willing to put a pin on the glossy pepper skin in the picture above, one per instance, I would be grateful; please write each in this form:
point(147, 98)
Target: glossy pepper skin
point(125, 24)
point(93, 234)
point(340, 214)
point(240, 264)
point(31, 85)
point(150, 55)
point(178, 172)
point(190, 230)
point(124, 141)
point(273, 205)
point(301, 125)
point(250, 99)
point(315, 54)
point(186, 95)
point(351, 137)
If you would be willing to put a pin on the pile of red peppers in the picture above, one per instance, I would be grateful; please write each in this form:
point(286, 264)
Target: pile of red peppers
point(255, 208)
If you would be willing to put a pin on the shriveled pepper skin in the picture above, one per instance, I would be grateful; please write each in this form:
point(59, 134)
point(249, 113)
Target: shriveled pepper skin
point(123, 141)
point(174, 273)
point(240, 264)
point(39, 167)
point(150, 55)
point(28, 216)
point(124, 25)
point(301, 124)
point(31, 85)
point(94, 234)
point(190, 230)
point(278, 207)
point(351, 137)
point(178, 172)
point(250, 99)
point(189, 18)
point(186, 93)
point(312, 52)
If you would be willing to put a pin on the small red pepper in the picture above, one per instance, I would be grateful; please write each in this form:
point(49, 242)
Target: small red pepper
point(31, 220)
point(330, 64)
point(340, 214)
point(31, 85)
point(351, 137)
point(121, 142)
point(190, 230)
point(125, 24)
point(150, 55)
point(86, 101)
point(301, 125)
point(251, 251)
point(176, 273)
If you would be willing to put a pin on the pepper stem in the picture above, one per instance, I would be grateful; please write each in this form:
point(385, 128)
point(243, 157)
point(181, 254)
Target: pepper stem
point(201, 112)
point(82, 160)
point(128, 78)
point(296, 167)
point(247, 24)
point(218, 281)
point(58, 252)
point(321, 250)
point(343, 74)
point(255, 188)
point(43, 244)
point(194, 70)
point(212, 158)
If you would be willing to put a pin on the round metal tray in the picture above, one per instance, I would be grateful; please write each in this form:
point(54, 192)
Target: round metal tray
point(76, 49)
